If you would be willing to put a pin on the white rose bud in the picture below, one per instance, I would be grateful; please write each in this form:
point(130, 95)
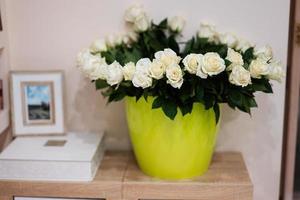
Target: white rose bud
point(114, 73)
point(113, 40)
point(98, 45)
point(133, 36)
point(167, 57)
point(258, 68)
point(142, 80)
point(133, 12)
point(157, 69)
point(235, 58)
point(243, 45)
point(275, 71)
point(212, 64)
point(174, 75)
point(141, 23)
point(240, 76)
point(143, 66)
point(125, 39)
point(264, 52)
point(207, 31)
point(228, 38)
point(192, 62)
point(176, 23)
point(128, 71)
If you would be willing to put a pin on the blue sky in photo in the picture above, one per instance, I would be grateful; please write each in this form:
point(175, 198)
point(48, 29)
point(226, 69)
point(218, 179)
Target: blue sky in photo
point(37, 94)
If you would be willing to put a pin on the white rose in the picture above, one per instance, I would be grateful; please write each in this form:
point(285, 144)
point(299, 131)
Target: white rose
point(200, 72)
point(240, 76)
point(275, 71)
point(133, 12)
point(126, 39)
point(167, 57)
point(157, 69)
point(114, 73)
point(192, 62)
point(143, 66)
point(98, 45)
point(128, 71)
point(207, 31)
point(92, 66)
point(82, 57)
point(228, 38)
point(100, 72)
point(264, 52)
point(235, 58)
point(212, 64)
point(141, 23)
point(96, 68)
point(176, 23)
point(174, 75)
point(258, 68)
point(142, 80)
point(112, 40)
point(243, 45)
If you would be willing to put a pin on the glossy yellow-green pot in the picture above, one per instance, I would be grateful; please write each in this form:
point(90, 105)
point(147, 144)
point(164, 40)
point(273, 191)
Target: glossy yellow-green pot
point(171, 149)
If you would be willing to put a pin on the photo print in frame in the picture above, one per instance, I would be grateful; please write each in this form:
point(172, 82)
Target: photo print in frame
point(37, 103)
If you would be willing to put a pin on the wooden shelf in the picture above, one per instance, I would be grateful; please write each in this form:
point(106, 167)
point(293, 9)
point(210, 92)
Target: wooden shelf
point(119, 178)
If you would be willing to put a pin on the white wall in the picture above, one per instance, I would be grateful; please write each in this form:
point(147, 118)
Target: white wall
point(4, 68)
point(46, 34)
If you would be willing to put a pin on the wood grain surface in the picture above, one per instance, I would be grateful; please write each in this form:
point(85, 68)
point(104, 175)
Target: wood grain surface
point(119, 178)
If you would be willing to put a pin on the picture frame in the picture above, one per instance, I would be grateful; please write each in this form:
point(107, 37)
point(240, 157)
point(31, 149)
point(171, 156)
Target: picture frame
point(37, 103)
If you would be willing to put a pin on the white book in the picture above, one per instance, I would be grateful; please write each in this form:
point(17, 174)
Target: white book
point(72, 157)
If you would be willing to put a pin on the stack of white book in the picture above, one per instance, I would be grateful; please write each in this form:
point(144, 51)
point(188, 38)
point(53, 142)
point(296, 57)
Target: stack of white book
point(72, 157)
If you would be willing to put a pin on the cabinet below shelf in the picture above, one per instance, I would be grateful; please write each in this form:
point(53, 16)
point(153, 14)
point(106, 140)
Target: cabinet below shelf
point(119, 178)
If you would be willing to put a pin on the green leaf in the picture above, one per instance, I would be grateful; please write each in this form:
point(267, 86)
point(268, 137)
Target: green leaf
point(107, 92)
point(116, 95)
point(189, 46)
point(199, 92)
point(235, 97)
point(227, 62)
point(170, 109)
point(261, 85)
point(158, 102)
point(187, 108)
point(109, 56)
point(100, 84)
point(163, 24)
point(126, 83)
point(252, 102)
point(217, 112)
point(138, 95)
point(173, 44)
point(209, 101)
point(248, 56)
point(202, 41)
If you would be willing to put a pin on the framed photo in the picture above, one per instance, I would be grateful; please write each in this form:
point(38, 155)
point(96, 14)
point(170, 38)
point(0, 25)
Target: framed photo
point(37, 103)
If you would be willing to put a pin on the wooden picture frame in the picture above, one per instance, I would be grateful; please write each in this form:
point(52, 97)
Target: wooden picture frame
point(37, 103)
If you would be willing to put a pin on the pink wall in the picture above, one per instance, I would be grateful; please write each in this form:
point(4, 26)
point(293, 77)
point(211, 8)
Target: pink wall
point(46, 35)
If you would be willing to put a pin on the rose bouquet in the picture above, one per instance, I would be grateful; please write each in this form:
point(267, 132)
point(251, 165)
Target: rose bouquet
point(192, 77)
point(210, 68)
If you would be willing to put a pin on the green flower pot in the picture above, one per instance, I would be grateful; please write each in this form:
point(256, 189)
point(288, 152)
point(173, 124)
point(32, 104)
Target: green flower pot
point(171, 149)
